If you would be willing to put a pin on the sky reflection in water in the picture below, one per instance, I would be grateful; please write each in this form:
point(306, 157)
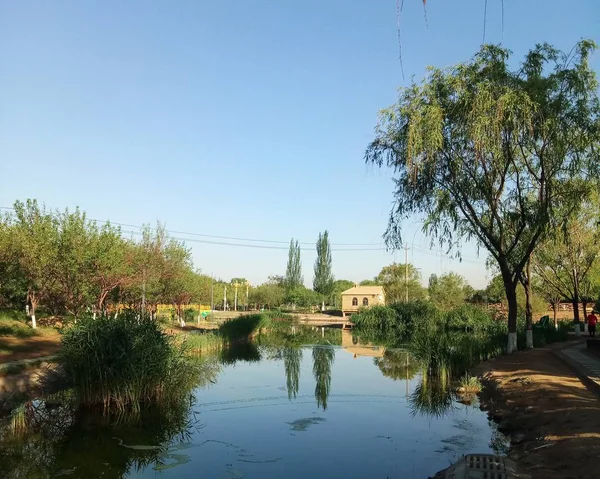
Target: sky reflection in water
point(295, 413)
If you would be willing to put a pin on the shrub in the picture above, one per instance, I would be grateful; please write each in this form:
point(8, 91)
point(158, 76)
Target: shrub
point(246, 326)
point(125, 362)
point(393, 325)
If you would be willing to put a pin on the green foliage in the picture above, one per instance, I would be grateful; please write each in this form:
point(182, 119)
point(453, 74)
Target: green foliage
point(293, 272)
point(201, 343)
point(267, 296)
point(323, 280)
point(448, 291)
point(469, 385)
point(339, 286)
point(303, 297)
point(392, 325)
point(249, 325)
point(567, 263)
point(393, 278)
point(493, 154)
point(123, 362)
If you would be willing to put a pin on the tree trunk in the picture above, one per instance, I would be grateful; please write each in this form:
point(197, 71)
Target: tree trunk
point(576, 303)
point(528, 309)
point(510, 288)
point(323, 306)
point(32, 311)
point(554, 311)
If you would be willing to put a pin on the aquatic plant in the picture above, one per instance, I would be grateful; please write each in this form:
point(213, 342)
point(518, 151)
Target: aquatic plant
point(124, 362)
point(469, 385)
point(203, 342)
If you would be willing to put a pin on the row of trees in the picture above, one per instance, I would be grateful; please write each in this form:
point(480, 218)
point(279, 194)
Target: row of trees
point(505, 156)
point(70, 264)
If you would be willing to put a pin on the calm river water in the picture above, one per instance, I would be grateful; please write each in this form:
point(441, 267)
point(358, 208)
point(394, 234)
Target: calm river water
point(317, 411)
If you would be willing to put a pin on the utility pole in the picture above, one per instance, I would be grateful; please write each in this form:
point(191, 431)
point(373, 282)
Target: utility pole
point(225, 299)
point(406, 272)
point(212, 295)
point(247, 295)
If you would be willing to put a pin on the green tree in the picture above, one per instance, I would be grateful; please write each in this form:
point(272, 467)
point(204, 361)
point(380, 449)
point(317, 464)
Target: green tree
point(566, 263)
point(400, 282)
point(111, 263)
point(33, 242)
point(268, 295)
point(72, 291)
point(339, 286)
point(323, 280)
point(492, 154)
point(448, 291)
point(293, 272)
point(177, 277)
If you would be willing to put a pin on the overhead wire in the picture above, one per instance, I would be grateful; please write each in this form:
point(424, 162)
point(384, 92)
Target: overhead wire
point(273, 244)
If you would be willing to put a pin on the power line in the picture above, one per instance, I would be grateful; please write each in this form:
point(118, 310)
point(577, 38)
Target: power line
point(364, 246)
point(260, 246)
point(231, 238)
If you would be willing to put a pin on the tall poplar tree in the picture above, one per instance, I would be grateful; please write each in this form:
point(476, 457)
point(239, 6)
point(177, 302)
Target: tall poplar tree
point(293, 272)
point(323, 280)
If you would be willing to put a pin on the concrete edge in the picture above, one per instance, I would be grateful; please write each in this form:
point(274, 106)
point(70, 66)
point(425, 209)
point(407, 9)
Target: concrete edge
point(579, 371)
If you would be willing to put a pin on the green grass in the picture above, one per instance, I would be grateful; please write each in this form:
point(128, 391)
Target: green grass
point(469, 385)
point(200, 343)
point(14, 323)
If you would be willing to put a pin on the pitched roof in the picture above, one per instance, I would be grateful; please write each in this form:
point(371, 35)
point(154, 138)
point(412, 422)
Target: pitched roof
point(366, 290)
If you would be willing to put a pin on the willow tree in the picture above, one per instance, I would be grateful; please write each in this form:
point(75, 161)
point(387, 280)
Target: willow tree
point(489, 153)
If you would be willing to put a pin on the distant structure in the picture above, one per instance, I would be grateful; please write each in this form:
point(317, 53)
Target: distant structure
point(361, 297)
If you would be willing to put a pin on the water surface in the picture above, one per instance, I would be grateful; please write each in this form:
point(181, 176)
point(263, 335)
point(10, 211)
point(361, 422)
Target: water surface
point(268, 412)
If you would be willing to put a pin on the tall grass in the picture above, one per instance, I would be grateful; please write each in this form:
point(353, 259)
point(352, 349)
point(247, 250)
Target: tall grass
point(123, 362)
point(201, 343)
point(247, 326)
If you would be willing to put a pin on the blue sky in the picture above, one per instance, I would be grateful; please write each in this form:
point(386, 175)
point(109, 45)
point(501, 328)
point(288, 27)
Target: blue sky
point(237, 118)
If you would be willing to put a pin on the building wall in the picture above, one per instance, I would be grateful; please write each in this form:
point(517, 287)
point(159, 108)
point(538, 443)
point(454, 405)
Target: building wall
point(347, 301)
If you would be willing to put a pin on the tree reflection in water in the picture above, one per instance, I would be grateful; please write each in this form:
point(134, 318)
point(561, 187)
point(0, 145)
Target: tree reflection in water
point(397, 364)
point(433, 396)
point(240, 351)
point(43, 439)
point(292, 358)
point(323, 358)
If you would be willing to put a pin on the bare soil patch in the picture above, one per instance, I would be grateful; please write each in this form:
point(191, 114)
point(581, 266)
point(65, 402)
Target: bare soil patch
point(553, 419)
point(15, 349)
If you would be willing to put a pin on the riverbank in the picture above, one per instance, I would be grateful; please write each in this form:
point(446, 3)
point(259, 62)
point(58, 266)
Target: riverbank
point(551, 415)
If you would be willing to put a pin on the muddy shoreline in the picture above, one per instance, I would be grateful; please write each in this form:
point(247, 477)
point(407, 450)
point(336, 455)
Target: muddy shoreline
point(551, 417)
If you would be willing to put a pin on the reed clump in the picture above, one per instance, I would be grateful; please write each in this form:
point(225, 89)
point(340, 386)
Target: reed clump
point(124, 362)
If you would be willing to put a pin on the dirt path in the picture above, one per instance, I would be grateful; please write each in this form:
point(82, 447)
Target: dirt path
point(14, 349)
point(551, 416)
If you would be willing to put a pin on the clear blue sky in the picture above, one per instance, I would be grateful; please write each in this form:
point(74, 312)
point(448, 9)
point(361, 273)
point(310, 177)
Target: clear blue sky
point(236, 118)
